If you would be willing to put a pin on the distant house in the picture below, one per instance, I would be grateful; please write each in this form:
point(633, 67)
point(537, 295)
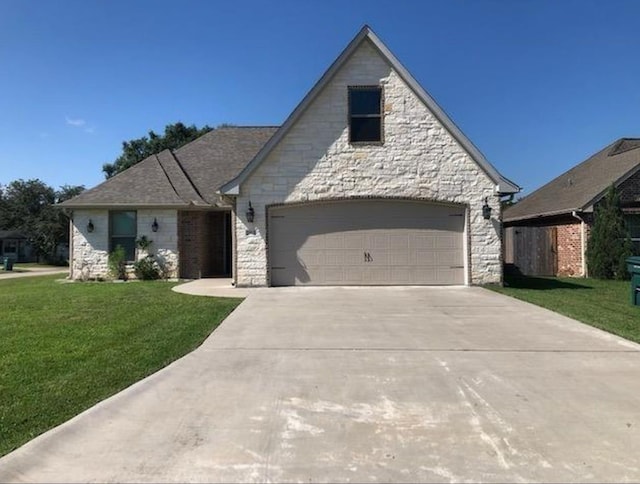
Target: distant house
point(547, 232)
point(15, 245)
point(368, 181)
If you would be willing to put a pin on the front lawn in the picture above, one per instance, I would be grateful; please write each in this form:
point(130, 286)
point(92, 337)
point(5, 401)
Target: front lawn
point(603, 304)
point(65, 347)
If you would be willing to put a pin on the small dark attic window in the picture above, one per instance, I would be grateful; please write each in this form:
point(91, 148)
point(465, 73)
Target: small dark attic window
point(365, 114)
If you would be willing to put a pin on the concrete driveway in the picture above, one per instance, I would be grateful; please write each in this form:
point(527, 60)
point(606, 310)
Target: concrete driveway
point(367, 384)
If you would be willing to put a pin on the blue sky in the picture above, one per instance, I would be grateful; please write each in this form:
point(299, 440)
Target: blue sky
point(537, 86)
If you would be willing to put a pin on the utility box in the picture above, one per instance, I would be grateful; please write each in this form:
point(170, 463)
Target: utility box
point(633, 266)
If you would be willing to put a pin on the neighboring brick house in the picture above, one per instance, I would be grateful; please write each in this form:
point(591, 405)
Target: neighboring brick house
point(367, 182)
point(547, 232)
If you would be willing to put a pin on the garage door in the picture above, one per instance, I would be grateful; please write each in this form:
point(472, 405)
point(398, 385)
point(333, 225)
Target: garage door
point(366, 242)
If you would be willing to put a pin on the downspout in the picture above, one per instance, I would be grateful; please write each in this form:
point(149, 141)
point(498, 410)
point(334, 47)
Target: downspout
point(583, 242)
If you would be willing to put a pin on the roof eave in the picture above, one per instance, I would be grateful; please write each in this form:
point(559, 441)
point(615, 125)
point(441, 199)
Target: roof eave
point(553, 213)
point(102, 206)
point(507, 187)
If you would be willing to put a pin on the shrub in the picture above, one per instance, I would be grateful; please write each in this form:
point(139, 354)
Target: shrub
point(144, 243)
point(609, 244)
point(147, 269)
point(117, 263)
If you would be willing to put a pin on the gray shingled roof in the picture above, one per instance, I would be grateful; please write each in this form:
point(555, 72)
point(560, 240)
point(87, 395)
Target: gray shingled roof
point(583, 185)
point(190, 176)
point(218, 156)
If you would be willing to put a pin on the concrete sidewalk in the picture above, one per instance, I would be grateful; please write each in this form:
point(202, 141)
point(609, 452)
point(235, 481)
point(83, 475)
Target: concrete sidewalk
point(33, 271)
point(216, 287)
point(366, 385)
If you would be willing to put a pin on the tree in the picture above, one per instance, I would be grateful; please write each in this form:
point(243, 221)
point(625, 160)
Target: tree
point(28, 207)
point(136, 150)
point(609, 244)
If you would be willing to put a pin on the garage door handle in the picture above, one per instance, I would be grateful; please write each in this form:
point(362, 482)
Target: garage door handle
point(367, 257)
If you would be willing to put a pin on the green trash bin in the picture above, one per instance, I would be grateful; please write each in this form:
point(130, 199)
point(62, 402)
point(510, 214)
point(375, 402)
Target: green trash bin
point(8, 264)
point(633, 266)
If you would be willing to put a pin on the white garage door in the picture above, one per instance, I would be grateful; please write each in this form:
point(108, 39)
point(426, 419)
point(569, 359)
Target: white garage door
point(366, 242)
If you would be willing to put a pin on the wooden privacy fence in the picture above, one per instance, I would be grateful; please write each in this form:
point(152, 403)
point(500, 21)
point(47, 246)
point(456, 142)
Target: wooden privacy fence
point(532, 251)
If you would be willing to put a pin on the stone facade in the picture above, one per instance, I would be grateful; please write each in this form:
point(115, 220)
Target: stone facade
point(91, 250)
point(418, 160)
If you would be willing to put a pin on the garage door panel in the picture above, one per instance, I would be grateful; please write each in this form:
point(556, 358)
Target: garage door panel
point(353, 241)
point(450, 276)
point(399, 258)
point(402, 275)
point(355, 276)
point(349, 257)
point(399, 242)
point(378, 258)
point(447, 242)
point(448, 258)
point(366, 242)
point(422, 241)
point(378, 241)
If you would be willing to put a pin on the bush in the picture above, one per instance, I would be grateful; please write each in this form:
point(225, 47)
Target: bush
point(609, 244)
point(147, 269)
point(117, 263)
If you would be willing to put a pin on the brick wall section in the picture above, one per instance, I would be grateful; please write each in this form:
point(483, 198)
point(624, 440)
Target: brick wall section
point(201, 244)
point(569, 245)
point(419, 160)
point(91, 250)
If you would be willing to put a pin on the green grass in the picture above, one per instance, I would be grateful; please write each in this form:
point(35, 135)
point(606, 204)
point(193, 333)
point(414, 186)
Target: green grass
point(603, 304)
point(65, 347)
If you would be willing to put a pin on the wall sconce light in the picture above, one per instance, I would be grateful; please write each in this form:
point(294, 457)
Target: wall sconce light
point(486, 210)
point(250, 213)
point(154, 225)
point(90, 226)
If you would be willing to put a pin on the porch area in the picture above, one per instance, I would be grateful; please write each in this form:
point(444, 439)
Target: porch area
point(204, 244)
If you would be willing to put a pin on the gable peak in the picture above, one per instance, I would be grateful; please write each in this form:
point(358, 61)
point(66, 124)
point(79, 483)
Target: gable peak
point(624, 144)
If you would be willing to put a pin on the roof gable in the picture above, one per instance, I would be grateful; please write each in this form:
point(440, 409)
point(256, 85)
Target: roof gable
point(579, 188)
point(190, 176)
point(503, 185)
point(219, 155)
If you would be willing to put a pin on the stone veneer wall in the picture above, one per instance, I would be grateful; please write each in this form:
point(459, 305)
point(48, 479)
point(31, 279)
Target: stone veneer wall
point(91, 250)
point(419, 159)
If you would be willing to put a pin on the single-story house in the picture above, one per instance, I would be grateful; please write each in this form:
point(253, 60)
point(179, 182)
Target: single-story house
point(368, 181)
point(546, 233)
point(14, 244)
